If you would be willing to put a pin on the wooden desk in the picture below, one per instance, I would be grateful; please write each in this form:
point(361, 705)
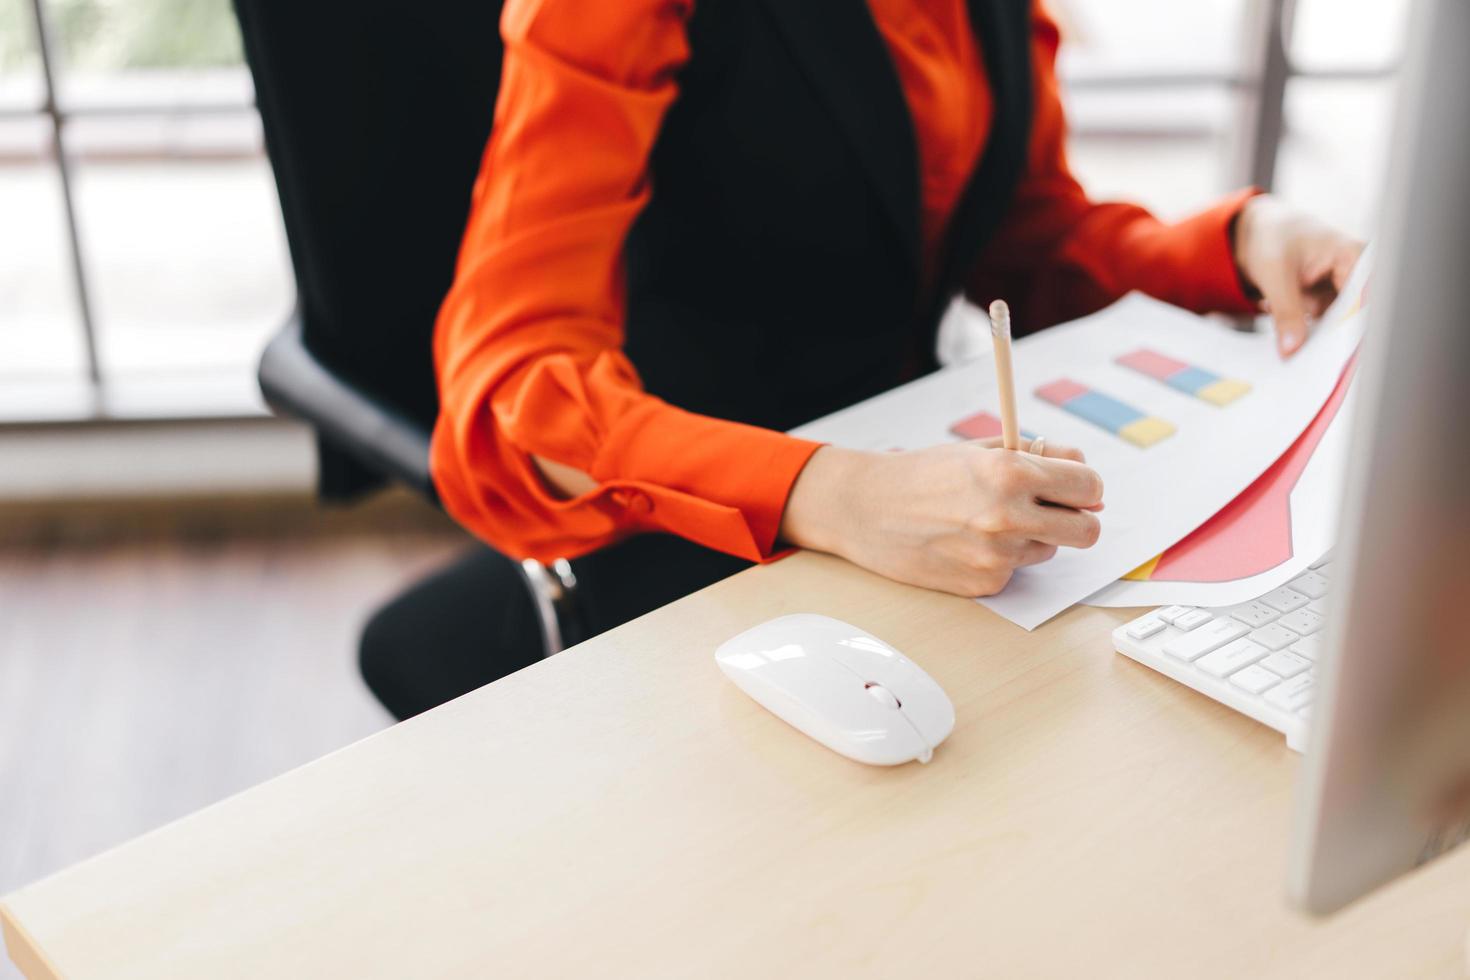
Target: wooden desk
point(622, 810)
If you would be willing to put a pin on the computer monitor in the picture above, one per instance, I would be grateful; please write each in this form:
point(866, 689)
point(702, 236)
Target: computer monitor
point(1386, 782)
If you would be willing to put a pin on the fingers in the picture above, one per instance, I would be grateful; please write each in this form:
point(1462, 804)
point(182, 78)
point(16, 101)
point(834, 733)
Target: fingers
point(1065, 482)
point(1297, 263)
point(987, 581)
point(1034, 553)
point(1059, 526)
point(1059, 477)
point(1051, 450)
point(1316, 264)
point(988, 568)
point(1325, 269)
point(1280, 284)
point(1317, 297)
point(1041, 447)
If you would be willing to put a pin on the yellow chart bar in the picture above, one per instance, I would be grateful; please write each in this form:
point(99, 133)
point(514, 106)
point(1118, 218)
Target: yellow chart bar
point(1223, 392)
point(1146, 432)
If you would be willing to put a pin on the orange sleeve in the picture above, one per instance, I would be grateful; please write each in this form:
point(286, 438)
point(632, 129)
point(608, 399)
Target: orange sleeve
point(1059, 255)
point(528, 344)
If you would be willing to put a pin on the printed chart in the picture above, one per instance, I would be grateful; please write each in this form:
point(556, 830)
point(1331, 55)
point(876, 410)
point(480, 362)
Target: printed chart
point(1274, 529)
point(1106, 412)
point(1205, 385)
point(1267, 535)
point(1252, 533)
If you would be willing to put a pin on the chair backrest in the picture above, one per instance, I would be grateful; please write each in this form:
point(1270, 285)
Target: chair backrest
point(376, 115)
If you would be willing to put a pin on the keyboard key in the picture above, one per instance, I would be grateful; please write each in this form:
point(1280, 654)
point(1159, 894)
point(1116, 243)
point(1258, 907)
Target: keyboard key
point(1211, 636)
point(1308, 646)
point(1318, 606)
point(1170, 613)
point(1274, 637)
point(1142, 629)
point(1231, 657)
point(1285, 599)
point(1192, 619)
point(1303, 621)
point(1254, 614)
point(1322, 563)
point(1254, 679)
point(1293, 694)
point(1311, 585)
point(1286, 664)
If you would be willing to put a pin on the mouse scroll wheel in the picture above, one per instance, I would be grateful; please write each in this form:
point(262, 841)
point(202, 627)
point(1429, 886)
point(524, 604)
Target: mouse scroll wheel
point(883, 695)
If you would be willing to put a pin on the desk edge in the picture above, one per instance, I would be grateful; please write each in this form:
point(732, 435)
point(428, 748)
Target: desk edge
point(23, 949)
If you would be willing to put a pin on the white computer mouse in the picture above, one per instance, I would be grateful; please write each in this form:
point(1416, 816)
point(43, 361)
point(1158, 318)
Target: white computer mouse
point(842, 686)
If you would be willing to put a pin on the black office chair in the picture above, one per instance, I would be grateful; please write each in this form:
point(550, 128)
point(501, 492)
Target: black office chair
point(376, 114)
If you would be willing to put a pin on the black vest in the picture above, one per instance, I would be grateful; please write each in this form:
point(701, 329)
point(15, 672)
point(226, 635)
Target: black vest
point(774, 276)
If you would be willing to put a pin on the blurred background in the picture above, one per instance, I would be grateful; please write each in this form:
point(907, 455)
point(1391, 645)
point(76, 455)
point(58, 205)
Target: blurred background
point(177, 618)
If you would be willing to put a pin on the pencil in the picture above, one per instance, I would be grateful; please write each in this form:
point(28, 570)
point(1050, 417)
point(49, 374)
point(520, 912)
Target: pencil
point(1000, 337)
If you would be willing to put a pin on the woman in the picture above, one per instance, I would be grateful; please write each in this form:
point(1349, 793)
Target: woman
point(699, 223)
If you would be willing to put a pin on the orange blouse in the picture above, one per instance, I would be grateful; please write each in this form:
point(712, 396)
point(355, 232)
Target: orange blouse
point(528, 346)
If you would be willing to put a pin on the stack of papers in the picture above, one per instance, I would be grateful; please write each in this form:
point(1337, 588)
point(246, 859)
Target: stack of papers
point(1221, 461)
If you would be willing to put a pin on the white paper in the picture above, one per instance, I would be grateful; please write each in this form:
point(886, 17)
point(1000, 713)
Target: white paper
point(1156, 495)
point(1315, 504)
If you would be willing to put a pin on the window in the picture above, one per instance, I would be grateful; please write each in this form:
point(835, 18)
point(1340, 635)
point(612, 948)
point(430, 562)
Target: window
point(1166, 99)
point(142, 261)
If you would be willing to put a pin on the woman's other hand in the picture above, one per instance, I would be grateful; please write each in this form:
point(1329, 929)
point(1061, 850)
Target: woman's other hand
point(1297, 264)
point(957, 518)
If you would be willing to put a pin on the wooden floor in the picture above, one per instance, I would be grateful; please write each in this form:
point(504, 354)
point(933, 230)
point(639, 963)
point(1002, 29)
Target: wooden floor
point(145, 675)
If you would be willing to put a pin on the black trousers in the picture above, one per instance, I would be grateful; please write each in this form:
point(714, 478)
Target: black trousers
point(474, 622)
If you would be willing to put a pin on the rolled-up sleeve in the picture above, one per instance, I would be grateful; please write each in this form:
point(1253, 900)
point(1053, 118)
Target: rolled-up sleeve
point(528, 344)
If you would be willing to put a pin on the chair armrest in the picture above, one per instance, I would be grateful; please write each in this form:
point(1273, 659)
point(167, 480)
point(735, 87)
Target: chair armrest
point(294, 383)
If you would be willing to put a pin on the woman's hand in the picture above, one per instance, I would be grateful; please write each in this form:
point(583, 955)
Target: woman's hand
point(959, 518)
point(1295, 262)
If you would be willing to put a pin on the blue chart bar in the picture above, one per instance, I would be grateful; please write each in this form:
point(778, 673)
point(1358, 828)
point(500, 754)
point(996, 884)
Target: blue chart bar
point(1106, 412)
point(1205, 385)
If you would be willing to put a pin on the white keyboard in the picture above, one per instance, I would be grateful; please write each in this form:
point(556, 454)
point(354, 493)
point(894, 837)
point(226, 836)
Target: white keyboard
point(1259, 657)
